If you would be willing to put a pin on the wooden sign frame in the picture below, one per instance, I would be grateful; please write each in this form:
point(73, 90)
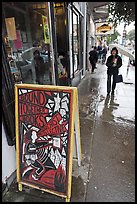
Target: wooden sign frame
point(46, 117)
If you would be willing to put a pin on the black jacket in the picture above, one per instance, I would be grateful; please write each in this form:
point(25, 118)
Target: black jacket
point(109, 64)
point(39, 66)
point(93, 56)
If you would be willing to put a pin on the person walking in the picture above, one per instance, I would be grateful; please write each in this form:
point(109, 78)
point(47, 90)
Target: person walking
point(99, 50)
point(93, 58)
point(114, 62)
point(104, 53)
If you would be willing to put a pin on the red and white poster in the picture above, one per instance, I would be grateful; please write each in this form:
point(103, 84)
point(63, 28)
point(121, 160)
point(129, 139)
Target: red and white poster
point(44, 137)
point(18, 42)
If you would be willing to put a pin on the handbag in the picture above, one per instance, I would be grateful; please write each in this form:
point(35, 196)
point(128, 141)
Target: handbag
point(119, 78)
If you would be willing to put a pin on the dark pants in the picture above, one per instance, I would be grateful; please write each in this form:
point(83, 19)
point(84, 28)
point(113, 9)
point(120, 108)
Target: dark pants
point(39, 167)
point(109, 82)
point(103, 58)
point(40, 78)
point(93, 64)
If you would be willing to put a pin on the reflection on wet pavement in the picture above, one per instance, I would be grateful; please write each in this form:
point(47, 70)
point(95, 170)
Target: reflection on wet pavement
point(108, 108)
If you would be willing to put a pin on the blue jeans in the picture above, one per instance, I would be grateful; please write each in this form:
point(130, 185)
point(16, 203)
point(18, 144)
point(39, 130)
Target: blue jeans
point(109, 82)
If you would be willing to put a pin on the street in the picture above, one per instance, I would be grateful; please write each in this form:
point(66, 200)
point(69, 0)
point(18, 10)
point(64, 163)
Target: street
point(108, 136)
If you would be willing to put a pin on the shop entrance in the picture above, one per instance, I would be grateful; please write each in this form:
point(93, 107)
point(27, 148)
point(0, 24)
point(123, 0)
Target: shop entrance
point(60, 12)
point(75, 41)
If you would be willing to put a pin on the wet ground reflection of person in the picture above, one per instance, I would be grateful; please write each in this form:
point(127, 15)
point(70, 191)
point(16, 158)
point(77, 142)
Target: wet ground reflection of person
point(109, 107)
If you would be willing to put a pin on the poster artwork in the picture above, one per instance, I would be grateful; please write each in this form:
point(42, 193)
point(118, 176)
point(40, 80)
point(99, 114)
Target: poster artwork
point(44, 121)
point(11, 28)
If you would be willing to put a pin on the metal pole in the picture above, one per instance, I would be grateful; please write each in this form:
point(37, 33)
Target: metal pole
point(84, 40)
point(72, 40)
point(53, 44)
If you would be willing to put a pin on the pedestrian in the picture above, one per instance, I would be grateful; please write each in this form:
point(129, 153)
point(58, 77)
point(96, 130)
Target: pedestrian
point(93, 58)
point(99, 49)
point(104, 54)
point(114, 62)
point(39, 67)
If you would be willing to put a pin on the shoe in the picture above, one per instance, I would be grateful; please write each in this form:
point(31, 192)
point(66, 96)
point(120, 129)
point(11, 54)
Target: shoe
point(112, 93)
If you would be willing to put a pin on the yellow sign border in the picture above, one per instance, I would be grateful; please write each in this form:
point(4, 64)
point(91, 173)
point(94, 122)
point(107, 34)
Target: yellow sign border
point(74, 102)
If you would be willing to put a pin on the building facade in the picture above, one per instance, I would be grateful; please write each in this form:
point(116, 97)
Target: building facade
point(57, 30)
point(63, 33)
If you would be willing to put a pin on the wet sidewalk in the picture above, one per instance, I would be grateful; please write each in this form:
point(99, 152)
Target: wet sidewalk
point(107, 172)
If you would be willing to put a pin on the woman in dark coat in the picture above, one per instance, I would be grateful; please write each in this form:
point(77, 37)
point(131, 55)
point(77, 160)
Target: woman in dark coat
point(93, 58)
point(114, 62)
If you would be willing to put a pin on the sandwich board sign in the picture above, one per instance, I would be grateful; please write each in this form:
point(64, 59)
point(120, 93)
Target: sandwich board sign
point(47, 130)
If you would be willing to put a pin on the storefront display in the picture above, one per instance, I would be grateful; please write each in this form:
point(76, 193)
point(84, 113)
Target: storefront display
point(24, 32)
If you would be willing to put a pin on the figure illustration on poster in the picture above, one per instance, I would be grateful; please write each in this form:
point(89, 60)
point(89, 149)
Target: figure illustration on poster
point(44, 121)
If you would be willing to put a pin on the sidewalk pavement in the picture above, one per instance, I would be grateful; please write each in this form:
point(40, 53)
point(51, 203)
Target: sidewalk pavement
point(107, 172)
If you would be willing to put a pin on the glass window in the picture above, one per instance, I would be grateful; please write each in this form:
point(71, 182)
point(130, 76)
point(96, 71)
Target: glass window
point(28, 43)
point(70, 43)
point(62, 43)
point(75, 40)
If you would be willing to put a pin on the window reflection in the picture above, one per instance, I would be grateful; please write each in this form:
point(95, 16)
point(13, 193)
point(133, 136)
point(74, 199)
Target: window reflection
point(76, 40)
point(32, 32)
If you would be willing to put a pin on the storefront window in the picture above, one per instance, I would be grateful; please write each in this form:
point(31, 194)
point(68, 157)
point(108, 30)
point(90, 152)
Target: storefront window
point(71, 44)
point(75, 40)
point(26, 31)
point(62, 44)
